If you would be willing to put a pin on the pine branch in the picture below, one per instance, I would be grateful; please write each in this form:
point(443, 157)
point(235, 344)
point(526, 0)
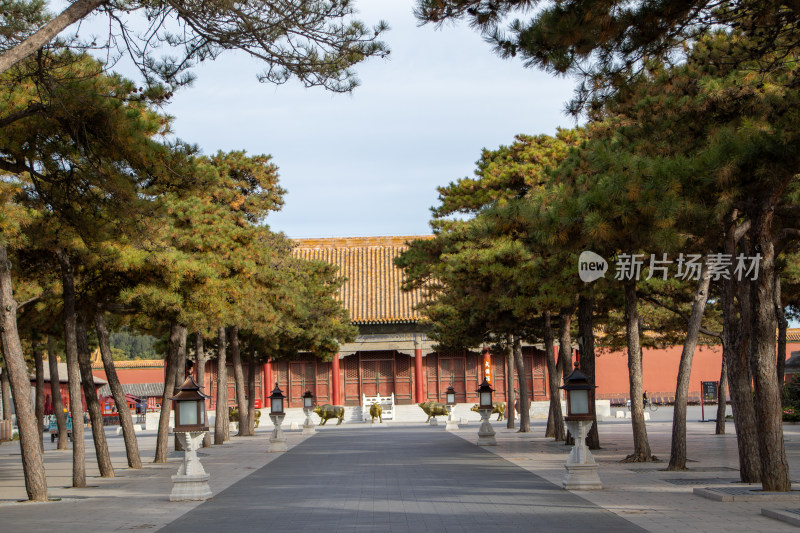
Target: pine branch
point(679, 313)
point(33, 300)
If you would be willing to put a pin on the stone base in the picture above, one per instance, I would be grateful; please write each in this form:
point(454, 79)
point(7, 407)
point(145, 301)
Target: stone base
point(451, 425)
point(277, 445)
point(434, 422)
point(486, 439)
point(308, 430)
point(190, 488)
point(581, 477)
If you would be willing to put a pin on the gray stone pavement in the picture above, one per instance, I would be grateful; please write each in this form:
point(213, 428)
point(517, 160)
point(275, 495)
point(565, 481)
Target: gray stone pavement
point(427, 479)
point(401, 479)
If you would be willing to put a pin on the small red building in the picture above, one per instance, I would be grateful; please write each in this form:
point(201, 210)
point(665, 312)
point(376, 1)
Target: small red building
point(63, 387)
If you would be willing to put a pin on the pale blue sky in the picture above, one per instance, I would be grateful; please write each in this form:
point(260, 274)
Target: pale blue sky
point(368, 163)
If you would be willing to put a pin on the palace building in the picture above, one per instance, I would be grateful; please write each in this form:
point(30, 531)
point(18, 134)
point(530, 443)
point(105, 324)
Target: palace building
point(392, 354)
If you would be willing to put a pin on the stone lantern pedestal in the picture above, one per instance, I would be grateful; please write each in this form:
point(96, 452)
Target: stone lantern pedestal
point(277, 441)
point(308, 424)
point(581, 467)
point(191, 481)
point(486, 431)
point(451, 424)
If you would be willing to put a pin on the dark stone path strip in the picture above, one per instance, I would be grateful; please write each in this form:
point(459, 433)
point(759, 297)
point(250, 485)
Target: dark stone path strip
point(394, 480)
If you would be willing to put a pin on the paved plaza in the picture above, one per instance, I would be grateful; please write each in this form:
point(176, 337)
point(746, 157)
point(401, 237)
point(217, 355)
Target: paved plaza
point(403, 477)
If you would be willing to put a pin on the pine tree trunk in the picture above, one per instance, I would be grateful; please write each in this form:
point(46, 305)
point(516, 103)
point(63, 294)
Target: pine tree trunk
point(221, 421)
point(722, 402)
point(550, 428)
point(38, 362)
point(736, 339)
point(20, 384)
point(180, 377)
point(125, 419)
point(524, 397)
point(238, 377)
point(564, 364)
point(251, 394)
point(511, 399)
point(553, 381)
point(641, 445)
point(73, 371)
point(677, 457)
point(55, 392)
point(586, 329)
point(176, 333)
point(783, 324)
point(774, 467)
point(200, 376)
point(5, 388)
point(92, 403)
point(73, 13)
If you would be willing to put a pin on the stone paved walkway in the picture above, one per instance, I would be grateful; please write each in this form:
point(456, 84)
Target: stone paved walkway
point(431, 480)
point(395, 480)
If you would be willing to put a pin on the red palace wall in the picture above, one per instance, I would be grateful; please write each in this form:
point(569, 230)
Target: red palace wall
point(135, 375)
point(660, 368)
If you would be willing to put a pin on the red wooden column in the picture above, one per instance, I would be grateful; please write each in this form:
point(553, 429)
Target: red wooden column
point(487, 365)
point(419, 377)
point(336, 396)
point(268, 384)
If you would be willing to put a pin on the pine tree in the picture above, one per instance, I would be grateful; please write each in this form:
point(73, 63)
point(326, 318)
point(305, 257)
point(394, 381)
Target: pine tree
point(316, 42)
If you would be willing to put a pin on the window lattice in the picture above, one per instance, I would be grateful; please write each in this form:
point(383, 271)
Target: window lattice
point(351, 368)
point(403, 366)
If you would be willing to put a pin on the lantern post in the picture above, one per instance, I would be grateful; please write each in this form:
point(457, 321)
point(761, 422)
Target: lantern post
point(308, 405)
point(277, 441)
point(191, 481)
point(452, 424)
point(486, 435)
point(581, 467)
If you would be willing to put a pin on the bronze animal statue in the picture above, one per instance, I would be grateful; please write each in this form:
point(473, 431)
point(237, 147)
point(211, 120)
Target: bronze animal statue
point(327, 411)
point(376, 411)
point(433, 409)
point(497, 407)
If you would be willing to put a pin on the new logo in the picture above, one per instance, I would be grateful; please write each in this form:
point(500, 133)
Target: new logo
point(591, 266)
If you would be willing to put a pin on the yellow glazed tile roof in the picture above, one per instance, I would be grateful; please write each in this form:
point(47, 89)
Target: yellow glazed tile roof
point(372, 291)
point(132, 363)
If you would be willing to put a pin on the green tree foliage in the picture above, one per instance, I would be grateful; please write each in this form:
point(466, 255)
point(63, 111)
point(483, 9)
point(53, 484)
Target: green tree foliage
point(316, 42)
point(131, 346)
point(606, 44)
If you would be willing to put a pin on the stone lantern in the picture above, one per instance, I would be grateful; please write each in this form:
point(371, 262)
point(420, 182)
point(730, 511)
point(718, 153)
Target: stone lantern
point(191, 481)
point(486, 435)
point(308, 405)
point(451, 424)
point(277, 441)
point(581, 467)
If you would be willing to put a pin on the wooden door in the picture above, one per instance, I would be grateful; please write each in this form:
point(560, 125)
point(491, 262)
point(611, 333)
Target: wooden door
point(370, 377)
point(377, 373)
point(452, 370)
point(301, 378)
point(403, 379)
point(474, 370)
point(498, 377)
point(431, 362)
point(349, 367)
